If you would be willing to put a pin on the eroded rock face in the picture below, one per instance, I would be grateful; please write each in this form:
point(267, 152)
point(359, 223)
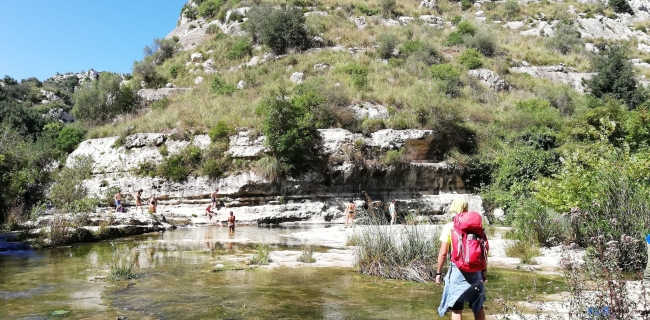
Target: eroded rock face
point(60, 115)
point(369, 110)
point(151, 95)
point(557, 74)
point(143, 147)
point(315, 195)
point(489, 78)
point(247, 144)
point(429, 4)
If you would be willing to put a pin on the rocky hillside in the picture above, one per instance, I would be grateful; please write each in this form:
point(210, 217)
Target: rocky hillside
point(287, 104)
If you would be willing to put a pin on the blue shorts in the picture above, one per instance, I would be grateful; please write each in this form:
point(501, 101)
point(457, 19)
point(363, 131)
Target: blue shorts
point(118, 203)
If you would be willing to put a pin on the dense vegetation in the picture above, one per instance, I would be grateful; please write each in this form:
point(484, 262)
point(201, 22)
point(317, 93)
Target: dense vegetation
point(565, 166)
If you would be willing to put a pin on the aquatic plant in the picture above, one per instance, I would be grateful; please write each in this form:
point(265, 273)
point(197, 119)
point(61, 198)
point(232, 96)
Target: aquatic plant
point(524, 250)
point(307, 256)
point(122, 263)
point(407, 252)
point(261, 257)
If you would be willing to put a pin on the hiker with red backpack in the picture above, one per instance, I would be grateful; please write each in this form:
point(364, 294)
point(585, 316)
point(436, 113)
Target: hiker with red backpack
point(465, 242)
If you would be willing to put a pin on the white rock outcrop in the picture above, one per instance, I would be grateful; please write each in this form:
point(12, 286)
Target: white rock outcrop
point(369, 110)
point(429, 4)
point(196, 57)
point(198, 80)
point(151, 95)
point(557, 74)
point(489, 78)
point(297, 77)
point(359, 21)
point(60, 115)
point(143, 147)
point(247, 144)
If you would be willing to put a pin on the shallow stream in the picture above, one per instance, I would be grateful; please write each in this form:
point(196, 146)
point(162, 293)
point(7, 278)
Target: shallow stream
point(176, 279)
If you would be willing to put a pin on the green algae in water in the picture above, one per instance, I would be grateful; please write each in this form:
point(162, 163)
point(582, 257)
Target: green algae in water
point(60, 312)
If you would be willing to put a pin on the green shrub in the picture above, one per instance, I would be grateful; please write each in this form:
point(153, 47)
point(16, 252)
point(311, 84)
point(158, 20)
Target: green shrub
point(456, 19)
point(212, 29)
point(466, 4)
point(621, 6)
point(220, 131)
point(69, 138)
point(359, 74)
point(179, 166)
point(163, 150)
point(220, 87)
point(392, 157)
point(387, 8)
point(242, 48)
point(209, 8)
point(161, 50)
point(68, 189)
point(524, 250)
point(444, 71)
point(387, 43)
point(511, 9)
point(372, 125)
point(566, 40)
point(146, 169)
point(616, 77)
point(471, 59)
point(466, 28)
point(483, 41)
point(279, 29)
point(99, 101)
point(367, 11)
point(175, 70)
point(412, 46)
point(213, 169)
point(290, 131)
point(454, 39)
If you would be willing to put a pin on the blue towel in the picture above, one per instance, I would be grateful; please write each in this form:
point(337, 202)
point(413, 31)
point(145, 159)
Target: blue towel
point(467, 286)
point(647, 239)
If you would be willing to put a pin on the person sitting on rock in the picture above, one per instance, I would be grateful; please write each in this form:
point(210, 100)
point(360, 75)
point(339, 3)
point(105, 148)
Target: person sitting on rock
point(152, 204)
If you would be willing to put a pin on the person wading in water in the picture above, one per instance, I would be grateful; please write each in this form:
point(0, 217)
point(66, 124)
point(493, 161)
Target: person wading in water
point(350, 211)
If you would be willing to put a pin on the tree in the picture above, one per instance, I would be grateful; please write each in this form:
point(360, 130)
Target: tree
point(616, 77)
point(103, 99)
point(161, 50)
point(280, 29)
point(290, 132)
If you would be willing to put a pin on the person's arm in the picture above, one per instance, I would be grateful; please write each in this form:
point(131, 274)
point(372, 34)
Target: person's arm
point(442, 257)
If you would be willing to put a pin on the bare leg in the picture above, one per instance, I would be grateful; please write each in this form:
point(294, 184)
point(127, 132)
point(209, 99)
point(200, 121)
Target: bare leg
point(480, 315)
point(456, 315)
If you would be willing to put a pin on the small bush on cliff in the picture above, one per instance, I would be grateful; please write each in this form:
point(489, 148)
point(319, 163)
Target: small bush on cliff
point(220, 87)
point(99, 101)
point(280, 29)
point(393, 157)
point(179, 166)
point(220, 131)
point(567, 38)
point(240, 49)
point(387, 43)
point(69, 138)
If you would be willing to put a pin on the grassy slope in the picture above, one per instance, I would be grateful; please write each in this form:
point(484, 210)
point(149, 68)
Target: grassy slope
point(405, 89)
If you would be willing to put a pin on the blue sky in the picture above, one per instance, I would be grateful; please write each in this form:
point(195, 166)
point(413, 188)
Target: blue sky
point(42, 37)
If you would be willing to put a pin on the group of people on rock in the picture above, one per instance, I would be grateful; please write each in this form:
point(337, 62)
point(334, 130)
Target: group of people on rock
point(210, 212)
point(152, 203)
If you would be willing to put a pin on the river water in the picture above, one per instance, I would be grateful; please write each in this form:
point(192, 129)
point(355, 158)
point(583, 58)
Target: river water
point(177, 279)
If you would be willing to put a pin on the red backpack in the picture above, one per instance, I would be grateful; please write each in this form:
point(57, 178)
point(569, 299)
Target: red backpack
point(469, 244)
